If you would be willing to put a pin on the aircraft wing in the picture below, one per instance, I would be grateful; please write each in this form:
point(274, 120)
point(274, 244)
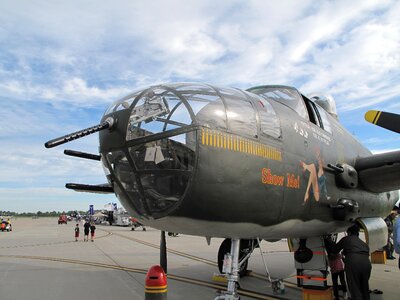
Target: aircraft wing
point(380, 172)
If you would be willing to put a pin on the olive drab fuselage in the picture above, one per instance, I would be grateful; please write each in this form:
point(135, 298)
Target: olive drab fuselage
point(219, 162)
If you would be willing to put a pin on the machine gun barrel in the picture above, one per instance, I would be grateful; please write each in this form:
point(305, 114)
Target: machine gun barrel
point(337, 169)
point(82, 154)
point(108, 123)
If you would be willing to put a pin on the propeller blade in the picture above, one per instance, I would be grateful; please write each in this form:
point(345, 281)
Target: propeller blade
point(384, 119)
point(163, 252)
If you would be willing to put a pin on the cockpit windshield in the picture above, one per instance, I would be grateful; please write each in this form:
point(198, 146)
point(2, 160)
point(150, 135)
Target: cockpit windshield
point(286, 95)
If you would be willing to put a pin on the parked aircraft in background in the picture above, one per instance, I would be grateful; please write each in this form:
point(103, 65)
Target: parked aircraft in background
point(265, 163)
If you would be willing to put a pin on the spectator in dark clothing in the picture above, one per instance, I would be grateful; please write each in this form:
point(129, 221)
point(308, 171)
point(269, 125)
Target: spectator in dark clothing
point(92, 230)
point(396, 237)
point(357, 263)
point(389, 248)
point(76, 232)
point(86, 229)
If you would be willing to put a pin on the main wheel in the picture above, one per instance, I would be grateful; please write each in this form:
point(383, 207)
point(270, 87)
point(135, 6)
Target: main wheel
point(226, 248)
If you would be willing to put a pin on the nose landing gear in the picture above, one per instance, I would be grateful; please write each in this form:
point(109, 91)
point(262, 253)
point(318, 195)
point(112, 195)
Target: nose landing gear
point(246, 247)
point(233, 255)
point(231, 268)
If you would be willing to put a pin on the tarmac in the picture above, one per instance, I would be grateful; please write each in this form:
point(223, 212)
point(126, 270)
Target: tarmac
point(40, 259)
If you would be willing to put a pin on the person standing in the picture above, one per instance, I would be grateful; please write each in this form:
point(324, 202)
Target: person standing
point(86, 229)
point(9, 224)
point(357, 263)
point(76, 232)
point(389, 246)
point(337, 269)
point(92, 230)
point(396, 237)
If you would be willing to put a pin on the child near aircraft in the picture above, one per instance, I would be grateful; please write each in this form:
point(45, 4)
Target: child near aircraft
point(92, 230)
point(76, 232)
point(336, 265)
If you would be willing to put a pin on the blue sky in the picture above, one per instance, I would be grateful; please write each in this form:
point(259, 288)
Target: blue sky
point(63, 62)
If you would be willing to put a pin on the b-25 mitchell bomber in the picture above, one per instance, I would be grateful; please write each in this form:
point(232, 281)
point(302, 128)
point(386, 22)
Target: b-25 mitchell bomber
point(264, 163)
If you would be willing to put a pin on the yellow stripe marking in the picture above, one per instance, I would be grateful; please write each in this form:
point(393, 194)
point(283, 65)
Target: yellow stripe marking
point(161, 287)
point(372, 116)
point(377, 118)
point(217, 139)
point(155, 292)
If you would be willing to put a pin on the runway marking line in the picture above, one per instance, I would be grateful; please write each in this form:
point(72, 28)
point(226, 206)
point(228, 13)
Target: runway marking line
point(198, 282)
point(196, 258)
point(55, 243)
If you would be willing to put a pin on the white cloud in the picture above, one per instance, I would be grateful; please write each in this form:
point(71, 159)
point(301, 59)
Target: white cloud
point(77, 88)
point(24, 165)
point(73, 91)
point(361, 66)
point(49, 199)
point(337, 48)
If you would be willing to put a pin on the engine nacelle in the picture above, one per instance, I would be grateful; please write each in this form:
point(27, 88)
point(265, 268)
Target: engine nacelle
point(376, 233)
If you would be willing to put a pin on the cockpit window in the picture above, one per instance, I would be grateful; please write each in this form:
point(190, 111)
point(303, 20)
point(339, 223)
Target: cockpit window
point(324, 118)
point(285, 95)
point(269, 121)
point(231, 93)
point(241, 117)
point(206, 105)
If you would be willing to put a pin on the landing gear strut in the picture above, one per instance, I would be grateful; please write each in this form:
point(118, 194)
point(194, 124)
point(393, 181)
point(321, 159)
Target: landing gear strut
point(246, 247)
point(231, 268)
